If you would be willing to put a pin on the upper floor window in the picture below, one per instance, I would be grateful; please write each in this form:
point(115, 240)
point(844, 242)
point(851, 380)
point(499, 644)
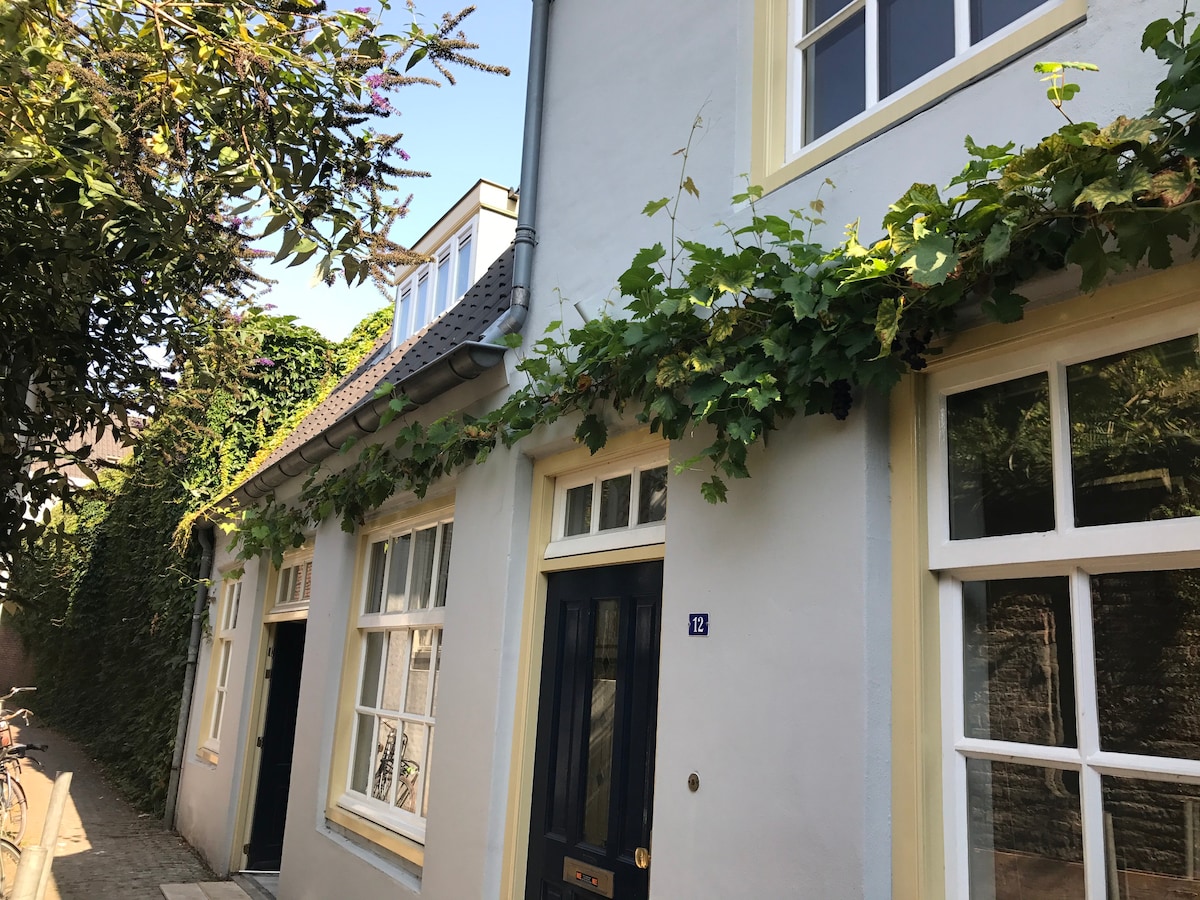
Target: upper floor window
point(435, 286)
point(831, 74)
point(856, 55)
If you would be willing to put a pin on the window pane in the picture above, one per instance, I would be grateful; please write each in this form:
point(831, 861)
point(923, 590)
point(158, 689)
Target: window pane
point(579, 510)
point(402, 313)
point(306, 594)
point(443, 285)
point(652, 495)
point(835, 77)
point(364, 745)
point(398, 573)
point(412, 753)
point(999, 453)
point(375, 578)
point(1018, 675)
point(819, 11)
point(428, 768)
point(383, 764)
point(600, 735)
point(915, 36)
point(614, 502)
point(989, 16)
point(1024, 834)
point(437, 672)
point(444, 563)
point(416, 697)
point(425, 541)
point(464, 267)
point(421, 309)
point(1155, 838)
point(1147, 630)
point(393, 676)
point(372, 666)
point(1135, 427)
point(218, 711)
point(223, 667)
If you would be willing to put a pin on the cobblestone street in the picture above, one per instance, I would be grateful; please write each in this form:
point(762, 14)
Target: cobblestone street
point(106, 849)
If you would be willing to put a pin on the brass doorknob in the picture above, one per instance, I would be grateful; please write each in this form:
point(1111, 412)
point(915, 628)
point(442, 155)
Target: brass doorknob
point(641, 858)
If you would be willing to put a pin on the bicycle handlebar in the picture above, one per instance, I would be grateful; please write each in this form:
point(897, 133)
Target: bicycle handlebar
point(15, 691)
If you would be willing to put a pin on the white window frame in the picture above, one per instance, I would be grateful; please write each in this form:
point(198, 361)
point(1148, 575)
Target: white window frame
point(1076, 553)
point(227, 617)
point(596, 541)
point(405, 323)
point(409, 824)
point(964, 51)
point(283, 608)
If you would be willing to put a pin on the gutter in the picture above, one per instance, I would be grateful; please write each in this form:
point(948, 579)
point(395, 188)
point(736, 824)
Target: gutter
point(204, 534)
point(471, 358)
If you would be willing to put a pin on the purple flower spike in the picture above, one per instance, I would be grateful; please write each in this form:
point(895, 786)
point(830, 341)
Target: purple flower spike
point(404, 155)
point(374, 81)
point(264, 361)
point(363, 10)
point(380, 102)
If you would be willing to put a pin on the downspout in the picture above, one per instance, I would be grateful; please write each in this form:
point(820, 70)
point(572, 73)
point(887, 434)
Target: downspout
point(471, 358)
point(204, 534)
point(514, 317)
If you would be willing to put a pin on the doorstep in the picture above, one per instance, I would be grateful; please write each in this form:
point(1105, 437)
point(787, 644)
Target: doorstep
point(205, 890)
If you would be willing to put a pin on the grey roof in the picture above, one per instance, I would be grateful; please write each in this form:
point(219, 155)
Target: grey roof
point(482, 305)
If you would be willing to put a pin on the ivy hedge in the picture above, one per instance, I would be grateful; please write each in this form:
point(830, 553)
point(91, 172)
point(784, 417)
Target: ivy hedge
point(104, 599)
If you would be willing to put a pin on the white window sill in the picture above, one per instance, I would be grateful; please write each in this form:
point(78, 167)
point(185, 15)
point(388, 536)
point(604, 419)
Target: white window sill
point(616, 539)
point(404, 824)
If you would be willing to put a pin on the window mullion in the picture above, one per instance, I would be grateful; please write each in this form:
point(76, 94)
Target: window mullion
point(807, 39)
point(962, 26)
point(871, 56)
point(1087, 726)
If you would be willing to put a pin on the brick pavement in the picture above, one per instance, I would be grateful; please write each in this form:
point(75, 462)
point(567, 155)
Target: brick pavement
point(106, 849)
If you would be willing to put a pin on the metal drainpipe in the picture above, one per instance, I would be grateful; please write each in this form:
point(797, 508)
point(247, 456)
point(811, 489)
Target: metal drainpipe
point(514, 317)
point(204, 534)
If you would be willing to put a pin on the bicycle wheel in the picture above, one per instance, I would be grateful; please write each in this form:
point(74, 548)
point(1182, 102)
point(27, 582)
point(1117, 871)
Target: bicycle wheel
point(10, 857)
point(13, 807)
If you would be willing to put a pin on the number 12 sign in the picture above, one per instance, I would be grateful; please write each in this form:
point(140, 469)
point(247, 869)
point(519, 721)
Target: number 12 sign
point(698, 625)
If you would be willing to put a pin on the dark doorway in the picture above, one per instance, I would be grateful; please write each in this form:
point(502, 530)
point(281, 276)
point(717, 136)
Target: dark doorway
point(285, 656)
point(594, 761)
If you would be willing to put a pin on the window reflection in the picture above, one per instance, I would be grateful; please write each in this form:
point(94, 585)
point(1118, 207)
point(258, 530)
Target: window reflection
point(1147, 634)
point(1024, 832)
point(1135, 429)
point(1153, 838)
point(1018, 675)
point(999, 457)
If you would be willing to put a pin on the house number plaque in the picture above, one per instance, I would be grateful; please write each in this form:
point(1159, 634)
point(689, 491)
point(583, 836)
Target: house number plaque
point(698, 625)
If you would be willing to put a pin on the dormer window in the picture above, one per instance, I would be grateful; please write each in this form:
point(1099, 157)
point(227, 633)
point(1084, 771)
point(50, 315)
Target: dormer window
point(434, 287)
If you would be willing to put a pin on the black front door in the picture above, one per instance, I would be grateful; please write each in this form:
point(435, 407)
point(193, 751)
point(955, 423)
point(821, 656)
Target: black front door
point(594, 760)
point(286, 654)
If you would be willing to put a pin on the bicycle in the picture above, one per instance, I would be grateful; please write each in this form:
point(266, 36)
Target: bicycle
point(13, 803)
point(10, 858)
point(382, 782)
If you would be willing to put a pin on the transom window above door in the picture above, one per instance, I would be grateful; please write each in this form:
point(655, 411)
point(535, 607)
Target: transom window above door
point(623, 505)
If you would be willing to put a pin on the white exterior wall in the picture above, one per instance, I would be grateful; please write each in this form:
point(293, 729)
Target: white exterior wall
point(784, 709)
point(207, 809)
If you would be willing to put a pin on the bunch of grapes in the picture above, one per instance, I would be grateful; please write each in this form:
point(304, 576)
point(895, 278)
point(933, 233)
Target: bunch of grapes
point(911, 348)
point(841, 400)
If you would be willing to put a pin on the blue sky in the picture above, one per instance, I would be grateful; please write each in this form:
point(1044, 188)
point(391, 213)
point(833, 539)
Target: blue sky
point(458, 134)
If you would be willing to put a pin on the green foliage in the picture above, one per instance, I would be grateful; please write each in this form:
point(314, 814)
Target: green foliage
point(744, 336)
point(105, 598)
point(146, 150)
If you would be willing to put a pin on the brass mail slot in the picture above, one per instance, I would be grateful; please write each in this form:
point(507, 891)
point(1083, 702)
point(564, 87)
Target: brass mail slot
point(588, 877)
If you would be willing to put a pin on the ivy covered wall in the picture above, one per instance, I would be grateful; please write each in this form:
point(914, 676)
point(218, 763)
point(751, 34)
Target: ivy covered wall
point(105, 599)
